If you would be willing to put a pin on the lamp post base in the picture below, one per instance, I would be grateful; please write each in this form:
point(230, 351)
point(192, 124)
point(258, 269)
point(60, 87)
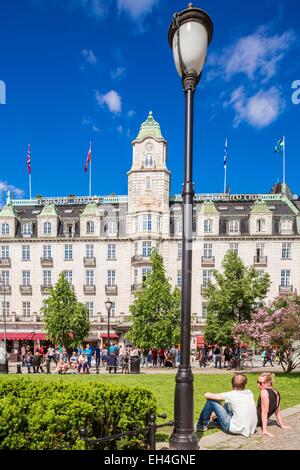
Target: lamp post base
point(4, 368)
point(183, 441)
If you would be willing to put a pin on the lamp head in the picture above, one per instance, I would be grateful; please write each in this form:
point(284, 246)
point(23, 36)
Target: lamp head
point(190, 33)
point(108, 305)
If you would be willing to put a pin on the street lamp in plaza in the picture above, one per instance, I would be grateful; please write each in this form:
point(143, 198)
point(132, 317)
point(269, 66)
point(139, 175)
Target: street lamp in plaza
point(108, 305)
point(189, 36)
point(3, 353)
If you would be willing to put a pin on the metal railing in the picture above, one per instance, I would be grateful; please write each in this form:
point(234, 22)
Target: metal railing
point(149, 433)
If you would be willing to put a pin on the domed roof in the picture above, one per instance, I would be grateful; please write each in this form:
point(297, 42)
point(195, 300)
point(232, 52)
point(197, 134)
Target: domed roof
point(149, 128)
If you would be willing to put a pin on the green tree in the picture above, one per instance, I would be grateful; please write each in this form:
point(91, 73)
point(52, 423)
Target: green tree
point(155, 312)
point(238, 290)
point(66, 320)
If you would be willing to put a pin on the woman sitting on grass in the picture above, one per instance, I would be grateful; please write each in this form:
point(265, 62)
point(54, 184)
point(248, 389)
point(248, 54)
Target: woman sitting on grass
point(268, 403)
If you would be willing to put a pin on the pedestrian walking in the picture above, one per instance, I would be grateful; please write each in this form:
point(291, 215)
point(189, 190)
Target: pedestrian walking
point(268, 358)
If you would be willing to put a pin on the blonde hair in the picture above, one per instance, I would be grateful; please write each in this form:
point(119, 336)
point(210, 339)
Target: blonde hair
point(269, 378)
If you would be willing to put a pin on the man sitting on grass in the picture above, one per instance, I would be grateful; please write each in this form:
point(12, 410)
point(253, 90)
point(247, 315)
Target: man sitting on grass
point(237, 416)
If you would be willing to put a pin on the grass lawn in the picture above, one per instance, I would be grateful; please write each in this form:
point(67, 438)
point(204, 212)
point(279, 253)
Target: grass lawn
point(162, 386)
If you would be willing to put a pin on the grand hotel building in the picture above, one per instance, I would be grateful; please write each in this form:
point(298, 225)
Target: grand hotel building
point(103, 244)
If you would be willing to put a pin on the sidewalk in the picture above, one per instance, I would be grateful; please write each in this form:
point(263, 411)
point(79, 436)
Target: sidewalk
point(284, 439)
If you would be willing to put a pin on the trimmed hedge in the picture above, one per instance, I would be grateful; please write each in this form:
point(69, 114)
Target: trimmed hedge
point(40, 415)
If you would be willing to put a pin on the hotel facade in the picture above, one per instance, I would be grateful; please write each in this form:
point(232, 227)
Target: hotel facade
point(103, 244)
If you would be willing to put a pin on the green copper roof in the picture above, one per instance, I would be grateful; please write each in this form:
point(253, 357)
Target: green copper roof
point(91, 210)
point(209, 208)
point(8, 210)
point(149, 128)
point(48, 211)
point(260, 207)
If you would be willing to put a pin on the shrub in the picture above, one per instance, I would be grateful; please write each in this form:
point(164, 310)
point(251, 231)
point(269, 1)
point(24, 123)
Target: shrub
point(48, 415)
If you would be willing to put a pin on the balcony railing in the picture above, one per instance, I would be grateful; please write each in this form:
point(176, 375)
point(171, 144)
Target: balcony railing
point(260, 260)
point(140, 259)
point(89, 262)
point(285, 289)
point(136, 287)
point(5, 263)
point(25, 290)
point(112, 290)
point(47, 262)
point(5, 290)
point(45, 289)
point(207, 261)
point(91, 290)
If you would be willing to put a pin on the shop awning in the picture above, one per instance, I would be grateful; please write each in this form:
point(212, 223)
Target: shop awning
point(111, 335)
point(30, 336)
point(199, 340)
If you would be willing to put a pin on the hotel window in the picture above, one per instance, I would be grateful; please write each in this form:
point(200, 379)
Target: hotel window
point(234, 247)
point(179, 251)
point(206, 277)
point(90, 227)
point(112, 228)
point(90, 308)
point(285, 226)
point(159, 223)
point(5, 229)
point(207, 250)
point(111, 251)
point(111, 278)
point(5, 308)
point(89, 251)
point(27, 229)
point(135, 276)
point(260, 225)
point(47, 251)
point(286, 251)
point(47, 278)
point(260, 250)
point(208, 226)
point(260, 272)
point(147, 222)
point(204, 310)
point(179, 277)
point(148, 182)
point(69, 277)
point(26, 309)
point(68, 252)
point(89, 275)
point(148, 160)
point(113, 309)
point(285, 277)
point(147, 249)
point(4, 252)
point(25, 252)
point(5, 278)
point(25, 278)
point(47, 228)
point(179, 228)
point(136, 248)
point(234, 227)
point(145, 272)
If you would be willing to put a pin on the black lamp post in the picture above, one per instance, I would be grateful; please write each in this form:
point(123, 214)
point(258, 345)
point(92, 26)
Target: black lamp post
point(108, 305)
point(189, 35)
point(4, 362)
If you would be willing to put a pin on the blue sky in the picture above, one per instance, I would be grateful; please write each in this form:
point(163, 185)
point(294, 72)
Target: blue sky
point(92, 69)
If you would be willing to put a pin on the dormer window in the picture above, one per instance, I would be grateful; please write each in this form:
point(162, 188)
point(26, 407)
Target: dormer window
point(234, 227)
point(148, 161)
point(90, 227)
point(27, 229)
point(286, 226)
point(5, 229)
point(260, 225)
point(112, 228)
point(208, 226)
point(47, 228)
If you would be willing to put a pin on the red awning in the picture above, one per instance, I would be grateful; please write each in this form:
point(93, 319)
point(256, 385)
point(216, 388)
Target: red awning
point(111, 335)
point(30, 336)
point(199, 340)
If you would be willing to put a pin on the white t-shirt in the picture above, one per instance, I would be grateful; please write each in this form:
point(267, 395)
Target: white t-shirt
point(244, 419)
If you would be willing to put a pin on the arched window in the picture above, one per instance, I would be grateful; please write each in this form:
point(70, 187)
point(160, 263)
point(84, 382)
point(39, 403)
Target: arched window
point(208, 226)
point(5, 229)
point(112, 228)
point(260, 225)
point(27, 229)
point(148, 160)
point(90, 227)
point(234, 226)
point(148, 182)
point(47, 228)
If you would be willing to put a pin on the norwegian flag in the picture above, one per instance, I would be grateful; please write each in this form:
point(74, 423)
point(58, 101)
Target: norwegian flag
point(28, 160)
point(89, 157)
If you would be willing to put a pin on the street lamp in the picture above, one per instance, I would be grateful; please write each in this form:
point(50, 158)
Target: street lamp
point(189, 36)
point(108, 305)
point(3, 359)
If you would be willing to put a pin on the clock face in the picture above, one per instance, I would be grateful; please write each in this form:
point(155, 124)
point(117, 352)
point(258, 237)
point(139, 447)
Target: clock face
point(149, 146)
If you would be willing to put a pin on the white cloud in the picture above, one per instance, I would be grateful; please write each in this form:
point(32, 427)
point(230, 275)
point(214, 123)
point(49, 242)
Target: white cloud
point(137, 9)
point(120, 129)
point(94, 8)
point(89, 56)
point(4, 187)
point(89, 122)
point(131, 113)
point(111, 99)
point(259, 110)
point(118, 72)
point(255, 55)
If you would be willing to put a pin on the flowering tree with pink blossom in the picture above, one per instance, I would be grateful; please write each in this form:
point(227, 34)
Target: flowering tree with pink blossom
point(276, 326)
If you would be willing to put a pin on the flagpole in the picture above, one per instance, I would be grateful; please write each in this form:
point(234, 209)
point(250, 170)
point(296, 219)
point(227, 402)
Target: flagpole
point(90, 185)
point(283, 161)
point(30, 185)
point(225, 167)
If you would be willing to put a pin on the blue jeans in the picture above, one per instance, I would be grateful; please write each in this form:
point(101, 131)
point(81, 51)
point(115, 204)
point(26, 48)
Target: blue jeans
point(223, 414)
